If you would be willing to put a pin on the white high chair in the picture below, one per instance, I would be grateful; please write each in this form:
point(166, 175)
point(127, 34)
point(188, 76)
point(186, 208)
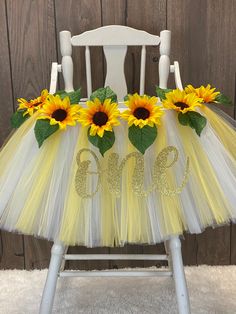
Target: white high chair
point(115, 40)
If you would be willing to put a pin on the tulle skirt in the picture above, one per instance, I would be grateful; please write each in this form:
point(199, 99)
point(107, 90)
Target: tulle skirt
point(66, 191)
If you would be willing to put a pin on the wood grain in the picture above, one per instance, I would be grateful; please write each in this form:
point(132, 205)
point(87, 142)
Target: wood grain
point(189, 249)
point(37, 253)
point(204, 45)
point(12, 254)
point(32, 49)
point(214, 246)
point(233, 244)
point(149, 15)
point(77, 17)
point(11, 245)
point(6, 106)
point(204, 42)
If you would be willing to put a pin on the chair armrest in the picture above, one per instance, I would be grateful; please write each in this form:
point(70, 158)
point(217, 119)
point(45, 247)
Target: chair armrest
point(178, 81)
point(54, 76)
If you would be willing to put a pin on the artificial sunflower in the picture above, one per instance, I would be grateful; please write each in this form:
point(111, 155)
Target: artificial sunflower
point(99, 116)
point(207, 93)
point(59, 112)
point(33, 105)
point(181, 101)
point(142, 111)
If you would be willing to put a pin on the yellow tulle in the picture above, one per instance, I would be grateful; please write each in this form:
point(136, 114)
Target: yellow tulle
point(75, 219)
point(211, 201)
point(226, 133)
point(32, 207)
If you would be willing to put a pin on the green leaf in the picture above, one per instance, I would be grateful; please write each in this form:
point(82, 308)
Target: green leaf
point(126, 97)
point(224, 100)
point(104, 93)
point(142, 138)
point(183, 118)
point(161, 92)
point(74, 96)
point(102, 143)
point(43, 130)
point(196, 121)
point(18, 118)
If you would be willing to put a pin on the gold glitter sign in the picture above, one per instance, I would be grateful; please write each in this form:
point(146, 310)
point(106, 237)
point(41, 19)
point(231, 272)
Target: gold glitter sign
point(162, 179)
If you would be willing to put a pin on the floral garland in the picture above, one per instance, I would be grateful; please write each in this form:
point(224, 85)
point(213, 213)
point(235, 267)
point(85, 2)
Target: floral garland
point(101, 115)
point(186, 101)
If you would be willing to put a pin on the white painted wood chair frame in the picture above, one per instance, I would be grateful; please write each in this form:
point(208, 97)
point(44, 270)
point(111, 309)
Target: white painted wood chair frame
point(115, 40)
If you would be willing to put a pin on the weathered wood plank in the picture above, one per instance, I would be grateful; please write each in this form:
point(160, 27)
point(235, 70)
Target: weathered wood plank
point(233, 244)
point(204, 43)
point(32, 49)
point(11, 251)
point(6, 104)
point(78, 17)
point(11, 248)
point(37, 253)
point(129, 13)
point(113, 12)
point(189, 249)
point(214, 246)
point(204, 46)
point(149, 15)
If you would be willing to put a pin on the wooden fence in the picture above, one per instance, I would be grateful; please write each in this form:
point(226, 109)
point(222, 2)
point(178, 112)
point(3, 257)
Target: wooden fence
point(203, 41)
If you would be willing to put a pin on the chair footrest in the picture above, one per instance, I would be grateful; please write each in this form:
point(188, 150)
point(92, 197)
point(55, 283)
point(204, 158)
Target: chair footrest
point(118, 273)
point(146, 257)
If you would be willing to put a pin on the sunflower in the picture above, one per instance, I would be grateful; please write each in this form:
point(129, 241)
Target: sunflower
point(59, 111)
point(208, 94)
point(34, 104)
point(142, 111)
point(181, 101)
point(99, 116)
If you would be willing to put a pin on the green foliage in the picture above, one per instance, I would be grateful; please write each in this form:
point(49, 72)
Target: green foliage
point(194, 119)
point(104, 93)
point(224, 100)
point(142, 138)
point(74, 96)
point(18, 118)
point(102, 143)
point(161, 92)
point(126, 97)
point(43, 130)
point(183, 118)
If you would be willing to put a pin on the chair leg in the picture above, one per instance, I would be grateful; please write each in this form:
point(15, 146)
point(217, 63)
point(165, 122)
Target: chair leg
point(179, 276)
point(51, 281)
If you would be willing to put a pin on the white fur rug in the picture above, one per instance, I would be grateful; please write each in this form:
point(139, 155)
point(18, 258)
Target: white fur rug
point(211, 289)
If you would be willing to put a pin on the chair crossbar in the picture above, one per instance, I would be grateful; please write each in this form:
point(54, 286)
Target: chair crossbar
point(123, 273)
point(150, 257)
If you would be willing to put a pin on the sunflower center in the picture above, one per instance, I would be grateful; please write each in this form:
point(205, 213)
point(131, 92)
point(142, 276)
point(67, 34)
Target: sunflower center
point(59, 114)
point(181, 105)
point(100, 118)
point(141, 113)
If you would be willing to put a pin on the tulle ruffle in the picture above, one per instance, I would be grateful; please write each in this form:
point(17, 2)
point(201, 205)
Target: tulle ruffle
point(38, 193)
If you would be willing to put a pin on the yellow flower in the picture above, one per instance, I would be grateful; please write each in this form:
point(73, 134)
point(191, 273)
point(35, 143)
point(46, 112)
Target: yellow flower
point(59, 111)
point(34, 104)
point(142, 111)
point(99, 116)
point(180, 101)
point(208, 94)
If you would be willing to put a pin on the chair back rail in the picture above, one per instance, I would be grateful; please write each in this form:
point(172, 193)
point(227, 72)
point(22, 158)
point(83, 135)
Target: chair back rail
point(115, 39)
